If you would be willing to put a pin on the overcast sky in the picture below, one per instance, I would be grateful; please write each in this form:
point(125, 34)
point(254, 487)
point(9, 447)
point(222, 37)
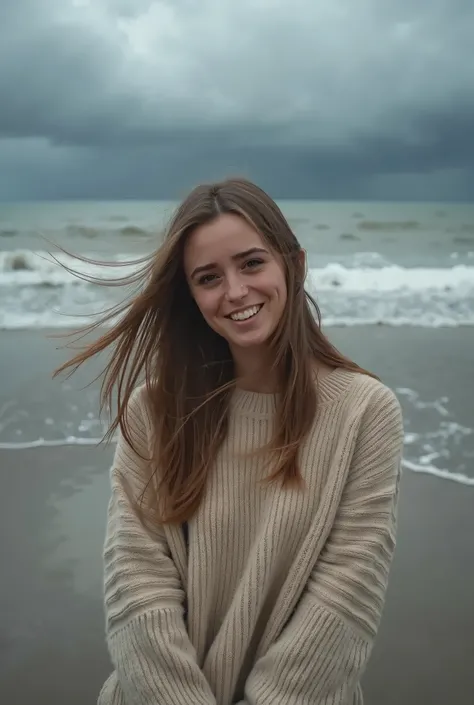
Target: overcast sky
point(370, 99)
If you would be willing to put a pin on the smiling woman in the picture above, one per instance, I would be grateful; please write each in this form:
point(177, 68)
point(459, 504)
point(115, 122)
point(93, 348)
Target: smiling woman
point(252, 520)
point(241, 292)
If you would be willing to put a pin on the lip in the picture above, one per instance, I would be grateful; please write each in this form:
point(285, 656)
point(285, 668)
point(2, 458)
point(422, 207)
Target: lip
point(244, 308)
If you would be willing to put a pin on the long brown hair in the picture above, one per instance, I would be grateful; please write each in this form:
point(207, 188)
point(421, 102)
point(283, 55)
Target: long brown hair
point(162, 339)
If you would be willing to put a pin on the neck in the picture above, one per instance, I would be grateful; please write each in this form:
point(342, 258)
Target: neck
point(254, 371)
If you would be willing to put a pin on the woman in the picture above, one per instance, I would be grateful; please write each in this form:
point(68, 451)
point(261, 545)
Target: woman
point(254, 486)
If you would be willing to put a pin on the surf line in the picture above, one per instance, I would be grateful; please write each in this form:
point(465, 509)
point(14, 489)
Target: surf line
point(441, 474)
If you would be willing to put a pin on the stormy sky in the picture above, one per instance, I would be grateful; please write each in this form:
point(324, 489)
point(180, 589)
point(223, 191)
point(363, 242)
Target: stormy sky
point(327, 99)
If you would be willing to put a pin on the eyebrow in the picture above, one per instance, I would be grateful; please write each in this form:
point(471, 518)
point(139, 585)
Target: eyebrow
point(236, 257)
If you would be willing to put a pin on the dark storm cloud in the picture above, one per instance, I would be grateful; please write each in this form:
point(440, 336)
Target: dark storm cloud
point(116, 98)
point(57, 80)
point(168, 171)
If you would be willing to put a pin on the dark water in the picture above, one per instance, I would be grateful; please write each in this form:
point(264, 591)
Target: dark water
point(369, 263)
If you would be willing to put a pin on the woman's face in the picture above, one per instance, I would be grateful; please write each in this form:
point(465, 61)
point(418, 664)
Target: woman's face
point(238, 283)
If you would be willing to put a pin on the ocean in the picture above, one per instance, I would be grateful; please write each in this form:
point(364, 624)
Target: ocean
point(395, 284)
point(370, 263)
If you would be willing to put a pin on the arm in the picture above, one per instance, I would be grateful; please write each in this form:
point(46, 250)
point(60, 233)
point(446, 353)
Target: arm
point(321, 654)
point(154, 660)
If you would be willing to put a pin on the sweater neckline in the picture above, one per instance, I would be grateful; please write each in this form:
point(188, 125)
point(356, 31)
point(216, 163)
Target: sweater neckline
point(265, 404)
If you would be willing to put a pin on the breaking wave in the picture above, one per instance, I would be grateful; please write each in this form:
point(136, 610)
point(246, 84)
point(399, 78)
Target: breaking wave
point(36, 292)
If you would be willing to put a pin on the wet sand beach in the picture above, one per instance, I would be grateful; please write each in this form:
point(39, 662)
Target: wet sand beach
point(52, 517)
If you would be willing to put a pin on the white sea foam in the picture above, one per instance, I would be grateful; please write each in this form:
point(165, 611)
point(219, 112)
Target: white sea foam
point(423, 465)
point(38, 293)
point(440, 473)
point(394, 279)
point(431, 452)
point(27, 268)
point(51, 443)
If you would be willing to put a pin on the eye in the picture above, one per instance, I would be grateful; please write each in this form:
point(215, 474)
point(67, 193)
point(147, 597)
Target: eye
point(253, 263)
point(207, 279)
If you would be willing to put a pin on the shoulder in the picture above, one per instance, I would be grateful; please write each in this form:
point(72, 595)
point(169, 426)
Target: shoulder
point(138, 404)
point(363, 401)
point(130, 468)
point(137, 417)
point(358, 431)
point(376, 412)
point(359, 391)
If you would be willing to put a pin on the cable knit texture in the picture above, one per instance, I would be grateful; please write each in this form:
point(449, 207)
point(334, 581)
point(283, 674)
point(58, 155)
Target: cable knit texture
point(276, 597)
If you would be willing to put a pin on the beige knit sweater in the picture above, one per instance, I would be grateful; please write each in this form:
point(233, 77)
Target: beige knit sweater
point(284, 589)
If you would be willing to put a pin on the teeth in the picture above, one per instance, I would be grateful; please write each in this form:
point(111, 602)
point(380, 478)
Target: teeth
point(248, 313)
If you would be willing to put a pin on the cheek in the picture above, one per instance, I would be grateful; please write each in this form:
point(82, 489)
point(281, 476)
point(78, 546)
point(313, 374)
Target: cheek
point(205, 303)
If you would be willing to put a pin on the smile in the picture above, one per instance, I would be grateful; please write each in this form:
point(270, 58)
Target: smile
point(246, 314)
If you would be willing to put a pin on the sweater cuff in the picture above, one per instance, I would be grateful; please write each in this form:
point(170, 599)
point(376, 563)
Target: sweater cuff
point(318, 658)
point(156, 663)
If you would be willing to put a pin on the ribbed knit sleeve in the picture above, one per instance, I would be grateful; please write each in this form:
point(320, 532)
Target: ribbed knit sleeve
point(153, 658)
point(323, 650)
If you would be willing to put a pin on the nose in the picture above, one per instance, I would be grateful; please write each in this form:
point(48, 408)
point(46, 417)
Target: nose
point(235, 289)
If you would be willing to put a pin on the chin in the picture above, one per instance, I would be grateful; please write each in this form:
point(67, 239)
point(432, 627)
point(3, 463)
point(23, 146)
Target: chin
point(250, 342)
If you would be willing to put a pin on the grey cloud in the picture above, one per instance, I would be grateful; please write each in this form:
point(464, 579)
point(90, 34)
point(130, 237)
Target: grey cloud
point(130, 97)
point(55, 80)
point(76, 75)
point(167, 171)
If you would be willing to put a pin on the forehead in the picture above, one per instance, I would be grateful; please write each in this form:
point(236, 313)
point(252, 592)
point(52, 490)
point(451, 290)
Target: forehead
point(219, 240)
